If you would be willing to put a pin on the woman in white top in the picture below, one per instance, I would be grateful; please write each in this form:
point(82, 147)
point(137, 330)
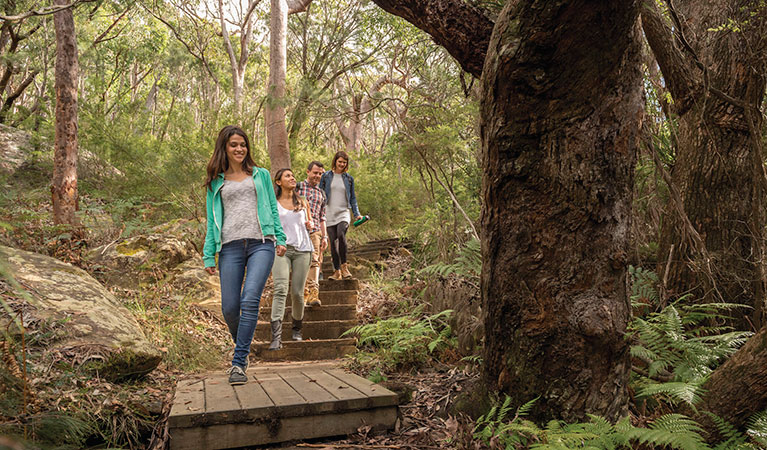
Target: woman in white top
point(296, 220)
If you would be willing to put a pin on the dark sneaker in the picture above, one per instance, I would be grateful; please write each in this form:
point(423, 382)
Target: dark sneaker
point(237, 376)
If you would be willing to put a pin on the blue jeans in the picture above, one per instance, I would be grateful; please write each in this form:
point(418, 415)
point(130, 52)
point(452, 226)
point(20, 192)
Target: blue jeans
point(239, 302)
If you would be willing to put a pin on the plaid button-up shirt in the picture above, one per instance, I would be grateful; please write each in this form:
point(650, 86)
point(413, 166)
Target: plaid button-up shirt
point(316, 199)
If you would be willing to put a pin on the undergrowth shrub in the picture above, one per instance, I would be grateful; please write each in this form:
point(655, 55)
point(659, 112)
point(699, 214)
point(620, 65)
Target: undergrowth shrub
point(499, 429)
point(675, 349)
point(403, 342)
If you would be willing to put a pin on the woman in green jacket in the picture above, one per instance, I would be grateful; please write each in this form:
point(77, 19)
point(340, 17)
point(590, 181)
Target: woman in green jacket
point(243, 228)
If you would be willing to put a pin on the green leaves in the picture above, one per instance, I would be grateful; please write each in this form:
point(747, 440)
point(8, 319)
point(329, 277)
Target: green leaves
point(404, 341)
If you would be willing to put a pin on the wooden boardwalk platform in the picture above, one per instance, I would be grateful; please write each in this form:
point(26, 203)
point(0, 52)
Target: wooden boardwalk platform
point(295, 402)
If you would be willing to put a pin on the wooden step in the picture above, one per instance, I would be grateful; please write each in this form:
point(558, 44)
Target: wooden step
point(338, 285)
point(359, 273)
point(326, 329)
point(338, 297)
point(208, 413)
point(314, 349)
point(315, 313)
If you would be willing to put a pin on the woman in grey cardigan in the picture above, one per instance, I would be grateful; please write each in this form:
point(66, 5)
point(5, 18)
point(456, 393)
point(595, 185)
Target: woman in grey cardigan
point(340, 198)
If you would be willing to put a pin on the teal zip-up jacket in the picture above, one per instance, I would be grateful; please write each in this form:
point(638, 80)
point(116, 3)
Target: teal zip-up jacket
point(268, 216)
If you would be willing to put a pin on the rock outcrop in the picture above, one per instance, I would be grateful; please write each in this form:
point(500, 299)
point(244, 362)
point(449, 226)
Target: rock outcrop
point(95, 322)
point(15, 146)
point(145, 258)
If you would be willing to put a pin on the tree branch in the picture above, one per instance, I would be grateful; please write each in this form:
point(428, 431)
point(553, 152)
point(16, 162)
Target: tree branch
point(461, 28)
point(297, 6)
point(42, 11)
point(675, 67)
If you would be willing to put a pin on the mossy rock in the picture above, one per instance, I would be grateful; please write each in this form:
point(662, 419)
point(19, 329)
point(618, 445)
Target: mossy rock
point(138, 260)
point(96, 323)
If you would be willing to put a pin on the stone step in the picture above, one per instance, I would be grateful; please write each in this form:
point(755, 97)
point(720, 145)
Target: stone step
point(304, 350)
point(315, 313)
point(326, 329)
point(338, 285)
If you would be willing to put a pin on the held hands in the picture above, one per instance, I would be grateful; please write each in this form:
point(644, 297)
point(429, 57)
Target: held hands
point(210, 270)
point(281, 249)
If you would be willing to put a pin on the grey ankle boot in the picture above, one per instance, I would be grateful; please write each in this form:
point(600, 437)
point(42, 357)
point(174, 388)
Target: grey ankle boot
point(276, 335)
point(297, 330)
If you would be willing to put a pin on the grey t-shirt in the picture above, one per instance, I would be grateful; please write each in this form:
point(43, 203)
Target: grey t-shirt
point(337, 210)
point(240, 211)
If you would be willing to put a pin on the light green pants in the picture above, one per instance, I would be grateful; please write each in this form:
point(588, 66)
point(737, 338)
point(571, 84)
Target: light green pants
point(299, 263)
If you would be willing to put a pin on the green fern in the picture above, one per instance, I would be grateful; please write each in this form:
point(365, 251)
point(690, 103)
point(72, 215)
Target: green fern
point(677, 346)
point(672, 431)
point(404, 341)
point(644, 286)
point(468, 262)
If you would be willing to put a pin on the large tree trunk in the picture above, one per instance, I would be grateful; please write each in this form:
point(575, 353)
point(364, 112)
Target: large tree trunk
point(738, 389)
point(718, 169)
point(64, 185)
point(561, 110)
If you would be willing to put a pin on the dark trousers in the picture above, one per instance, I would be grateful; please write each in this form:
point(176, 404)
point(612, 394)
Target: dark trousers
point(337, 235)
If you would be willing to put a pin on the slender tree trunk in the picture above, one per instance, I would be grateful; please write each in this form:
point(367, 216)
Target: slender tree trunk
point(718, 84)
point(274, 113)
point(561, 112)
point(64, 186)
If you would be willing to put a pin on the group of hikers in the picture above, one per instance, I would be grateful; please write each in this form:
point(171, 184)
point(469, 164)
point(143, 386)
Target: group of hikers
point(258, 226)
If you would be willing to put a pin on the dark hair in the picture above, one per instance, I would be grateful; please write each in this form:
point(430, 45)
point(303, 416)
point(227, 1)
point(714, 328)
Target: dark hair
point(340, 154)
point(219, 162)
point(297, 205)
point(315, 163)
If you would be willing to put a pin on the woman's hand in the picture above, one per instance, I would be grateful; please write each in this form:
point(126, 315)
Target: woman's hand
point(210, 270)
point(281, 249)
point(309, 224)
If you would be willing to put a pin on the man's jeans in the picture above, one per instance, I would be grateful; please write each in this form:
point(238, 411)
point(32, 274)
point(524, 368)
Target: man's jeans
point(299, 263)
point(239, 302)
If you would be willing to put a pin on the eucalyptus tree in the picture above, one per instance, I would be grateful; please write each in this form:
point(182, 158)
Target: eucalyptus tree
point(713, 57)
point(332, 39)
point(64, 182)
point(238, 63)
point(561, 106)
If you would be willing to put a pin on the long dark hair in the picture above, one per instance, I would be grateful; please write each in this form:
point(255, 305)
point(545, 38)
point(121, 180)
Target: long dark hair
point(340, 154)
point(219, 162)
point(297, 204)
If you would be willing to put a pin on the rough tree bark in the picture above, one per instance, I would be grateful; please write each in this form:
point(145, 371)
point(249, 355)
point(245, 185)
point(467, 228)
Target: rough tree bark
point(717, 80)
point(561, 112)
point(64, 182)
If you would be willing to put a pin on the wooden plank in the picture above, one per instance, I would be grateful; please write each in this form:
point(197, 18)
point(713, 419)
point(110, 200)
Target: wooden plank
point(252, 395)
point(339, 389)
point(278, 390)
point(220, 396)
point(308, 388)
point(380, 395)
point(188, 402)
point(281, 429)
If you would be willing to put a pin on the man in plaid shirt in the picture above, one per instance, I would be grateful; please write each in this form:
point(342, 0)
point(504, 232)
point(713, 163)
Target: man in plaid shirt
point(316, 198)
